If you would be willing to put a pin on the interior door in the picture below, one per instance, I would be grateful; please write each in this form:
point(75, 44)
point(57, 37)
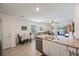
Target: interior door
point(6, 34)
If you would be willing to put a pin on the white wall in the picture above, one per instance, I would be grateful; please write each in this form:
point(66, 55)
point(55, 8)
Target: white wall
point(0, 33)
point(0, 29)
point(76, 20)
point(38, 25)
point(11, 26)
point(7, 34)
point(20, 23)
point(61, 24)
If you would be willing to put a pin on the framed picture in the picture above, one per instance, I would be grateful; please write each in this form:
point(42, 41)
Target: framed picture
point(23, 27)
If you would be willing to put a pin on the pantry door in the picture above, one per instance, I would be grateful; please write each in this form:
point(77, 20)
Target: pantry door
point(6, 34)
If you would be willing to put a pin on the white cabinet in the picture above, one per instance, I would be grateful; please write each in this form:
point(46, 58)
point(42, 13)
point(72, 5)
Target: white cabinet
point(54, 49)
point(63, 50)
point(6, 26)
point(72, 51)
point(45, 46)
point(51, 48)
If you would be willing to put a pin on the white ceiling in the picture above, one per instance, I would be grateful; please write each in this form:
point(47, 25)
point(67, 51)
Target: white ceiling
point(47, 12)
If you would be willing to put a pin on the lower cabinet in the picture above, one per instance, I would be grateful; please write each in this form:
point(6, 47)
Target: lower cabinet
point(63, 50)
point(73, 51)
point(45, 46)
point(51, 48)
point(54, 49)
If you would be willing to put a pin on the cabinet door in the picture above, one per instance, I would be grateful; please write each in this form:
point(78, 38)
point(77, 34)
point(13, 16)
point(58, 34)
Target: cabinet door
point(73, 50)
point(63, 50)
point(6, 34)
point(45, 46)
point(51, 48)
point(54, 49)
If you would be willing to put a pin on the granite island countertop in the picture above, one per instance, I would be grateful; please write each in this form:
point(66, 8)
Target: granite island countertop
point(45, 36)
point(69, 42)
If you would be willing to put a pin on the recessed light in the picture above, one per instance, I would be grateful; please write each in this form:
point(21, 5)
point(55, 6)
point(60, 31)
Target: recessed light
point(37, 9)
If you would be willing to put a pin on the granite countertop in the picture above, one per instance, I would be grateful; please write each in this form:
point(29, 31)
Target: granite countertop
point(44, 36)
point(69, 42)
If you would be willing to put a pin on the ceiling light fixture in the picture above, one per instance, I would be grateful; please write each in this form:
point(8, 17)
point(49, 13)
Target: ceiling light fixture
point(37, 9)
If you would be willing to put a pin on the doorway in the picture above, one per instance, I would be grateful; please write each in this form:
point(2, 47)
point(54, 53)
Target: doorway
point(33, 30)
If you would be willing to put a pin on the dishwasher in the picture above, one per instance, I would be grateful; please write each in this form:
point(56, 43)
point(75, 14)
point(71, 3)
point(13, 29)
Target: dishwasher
point(39, 44)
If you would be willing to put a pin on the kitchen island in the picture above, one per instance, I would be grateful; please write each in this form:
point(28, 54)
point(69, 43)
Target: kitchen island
point(54, 47)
